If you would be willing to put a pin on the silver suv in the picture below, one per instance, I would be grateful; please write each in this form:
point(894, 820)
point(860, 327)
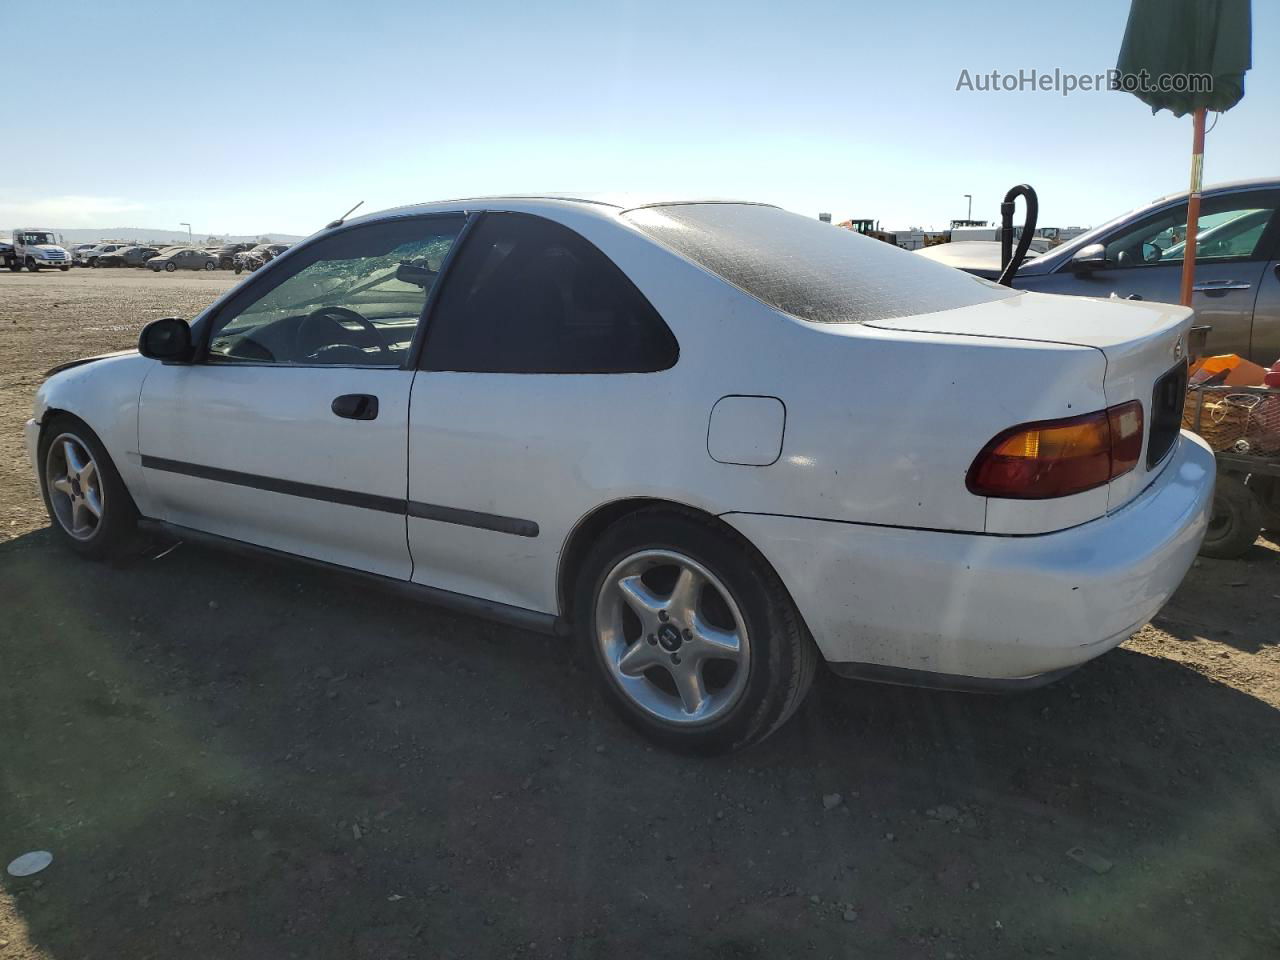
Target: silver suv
point(1139, 257)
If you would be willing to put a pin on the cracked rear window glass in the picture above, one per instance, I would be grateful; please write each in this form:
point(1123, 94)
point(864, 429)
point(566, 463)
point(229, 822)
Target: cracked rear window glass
point(809, 269)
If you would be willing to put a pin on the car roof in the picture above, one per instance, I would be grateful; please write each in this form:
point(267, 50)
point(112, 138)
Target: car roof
point(1225, 186)
point(549, 202)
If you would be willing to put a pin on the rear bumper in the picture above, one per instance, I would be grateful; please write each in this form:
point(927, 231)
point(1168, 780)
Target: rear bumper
point(960, 610)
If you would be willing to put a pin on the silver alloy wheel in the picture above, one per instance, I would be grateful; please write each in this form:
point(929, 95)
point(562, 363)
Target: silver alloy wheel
point(75, 486)
point(672, 637)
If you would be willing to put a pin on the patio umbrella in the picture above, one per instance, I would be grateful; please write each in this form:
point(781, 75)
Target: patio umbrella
point(1187, 56)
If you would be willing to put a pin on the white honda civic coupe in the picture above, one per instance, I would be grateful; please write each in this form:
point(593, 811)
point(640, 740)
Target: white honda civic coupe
point(717, 442)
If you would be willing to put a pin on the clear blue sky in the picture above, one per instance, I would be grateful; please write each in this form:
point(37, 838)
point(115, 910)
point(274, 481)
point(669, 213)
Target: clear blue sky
point(278, 115)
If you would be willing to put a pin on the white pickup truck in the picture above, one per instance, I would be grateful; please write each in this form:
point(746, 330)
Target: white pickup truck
point(34, 248)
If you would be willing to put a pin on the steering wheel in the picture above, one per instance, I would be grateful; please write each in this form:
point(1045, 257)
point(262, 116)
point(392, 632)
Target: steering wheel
point(332, 317)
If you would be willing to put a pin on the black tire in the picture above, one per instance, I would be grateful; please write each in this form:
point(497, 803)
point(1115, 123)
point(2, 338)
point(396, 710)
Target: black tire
point(15, 266)
point(1266, 490)
point(116, 533)
point(94, 263)
point(1236, 521)
point(170, 266)
point(32, 266)
point(64, 269)
point(783, 657)
point(210, 265)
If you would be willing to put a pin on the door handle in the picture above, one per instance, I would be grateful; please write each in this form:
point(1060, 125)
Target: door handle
point(356, 406)
point(1218, 286)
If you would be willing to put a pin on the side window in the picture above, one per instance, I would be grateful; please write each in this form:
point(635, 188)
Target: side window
point(353, 298)
point(527, 295)
point(1149, 241)
point(1231, 226)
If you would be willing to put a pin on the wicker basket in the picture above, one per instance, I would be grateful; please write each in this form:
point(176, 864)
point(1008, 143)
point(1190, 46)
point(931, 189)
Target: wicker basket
point(1223, 420)
point(1264, 425)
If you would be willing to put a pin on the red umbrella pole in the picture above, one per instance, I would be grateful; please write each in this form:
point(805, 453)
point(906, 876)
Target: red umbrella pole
point(1189, 247)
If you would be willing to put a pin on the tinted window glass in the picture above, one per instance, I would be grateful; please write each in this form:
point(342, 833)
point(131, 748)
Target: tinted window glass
point(1230, 226)
point(527, 295)
point(810, 269)
point(352, 298)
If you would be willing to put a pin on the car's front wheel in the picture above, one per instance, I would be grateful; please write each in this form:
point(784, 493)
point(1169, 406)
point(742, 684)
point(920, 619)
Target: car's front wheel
point(87, 501)
point(171, 266)
point(695, 640)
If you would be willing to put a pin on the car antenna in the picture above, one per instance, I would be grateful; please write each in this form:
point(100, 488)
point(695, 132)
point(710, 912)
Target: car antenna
point(339, 221)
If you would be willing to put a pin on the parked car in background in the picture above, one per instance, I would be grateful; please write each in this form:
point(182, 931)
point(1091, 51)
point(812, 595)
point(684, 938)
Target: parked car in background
point(839, 429)
point(183, 258)
point(89, 258)
point(227, 254)
point(257, 256)
point(78, 251)
point(135, 256)
point(1139, 257)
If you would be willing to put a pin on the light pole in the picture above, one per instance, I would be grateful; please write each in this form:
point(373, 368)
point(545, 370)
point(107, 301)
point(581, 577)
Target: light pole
point(188, 226)
point(969, 197)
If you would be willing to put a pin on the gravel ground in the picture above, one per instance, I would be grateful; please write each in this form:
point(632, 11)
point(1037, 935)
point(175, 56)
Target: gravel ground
point(244, 758)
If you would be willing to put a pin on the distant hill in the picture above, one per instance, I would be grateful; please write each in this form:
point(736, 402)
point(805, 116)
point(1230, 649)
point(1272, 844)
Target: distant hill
point(145, 235)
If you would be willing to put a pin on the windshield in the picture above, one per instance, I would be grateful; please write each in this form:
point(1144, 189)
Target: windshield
point(37, 238)
point(810, 269)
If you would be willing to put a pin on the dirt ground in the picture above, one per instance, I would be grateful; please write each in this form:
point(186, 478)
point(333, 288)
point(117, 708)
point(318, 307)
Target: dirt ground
point(247, 759)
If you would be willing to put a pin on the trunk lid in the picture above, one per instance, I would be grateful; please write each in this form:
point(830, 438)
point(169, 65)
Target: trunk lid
point(1144, 345)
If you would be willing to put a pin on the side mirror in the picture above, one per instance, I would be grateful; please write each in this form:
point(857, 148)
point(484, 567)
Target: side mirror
point(168, 339)
point(1092, 257)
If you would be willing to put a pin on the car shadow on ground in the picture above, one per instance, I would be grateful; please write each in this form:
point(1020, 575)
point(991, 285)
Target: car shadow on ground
point(246, 758)
point(1238, 606)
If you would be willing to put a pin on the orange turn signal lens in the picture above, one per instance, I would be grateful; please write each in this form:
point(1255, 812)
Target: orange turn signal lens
point(1056, 458)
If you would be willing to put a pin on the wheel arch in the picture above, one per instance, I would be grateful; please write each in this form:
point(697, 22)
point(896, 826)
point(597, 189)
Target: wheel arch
point(585, 532)
point(103, 393)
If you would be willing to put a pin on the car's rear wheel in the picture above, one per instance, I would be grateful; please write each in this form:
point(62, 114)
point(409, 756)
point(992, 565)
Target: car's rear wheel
point(87, 501)
point(1236, 521)
point(693, 637)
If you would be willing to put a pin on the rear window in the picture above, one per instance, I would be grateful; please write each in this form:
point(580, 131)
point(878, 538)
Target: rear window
point(807, 268)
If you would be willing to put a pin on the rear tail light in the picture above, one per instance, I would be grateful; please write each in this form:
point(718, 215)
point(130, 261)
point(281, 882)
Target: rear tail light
point(1056, 458)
